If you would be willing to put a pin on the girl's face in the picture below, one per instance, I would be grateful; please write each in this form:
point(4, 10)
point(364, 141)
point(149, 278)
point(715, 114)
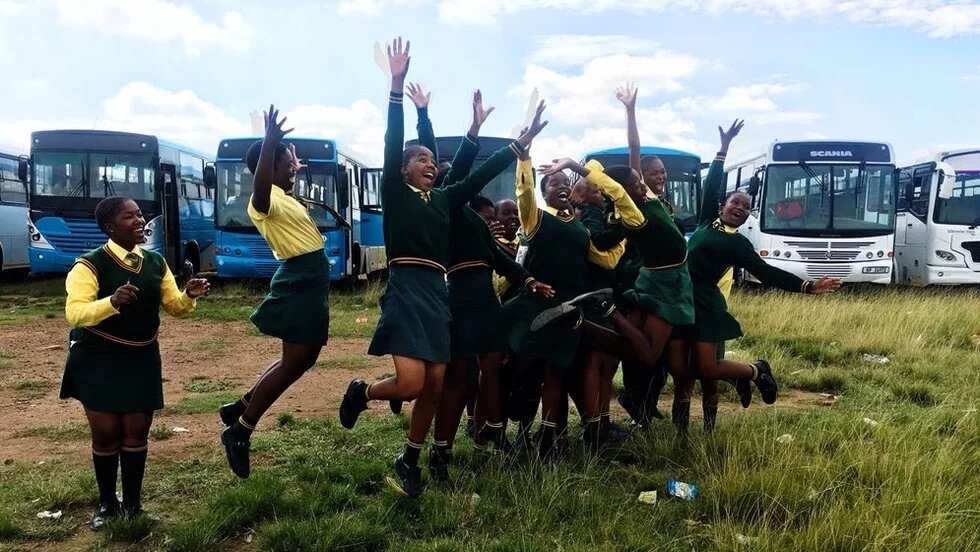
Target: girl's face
point(420, 171)
point(655, 176)
point(488, 213)
point(508, 216)
point(635, 188)
point(126, 226)
point(735, 210)
point(557, 192)
point(284, 174)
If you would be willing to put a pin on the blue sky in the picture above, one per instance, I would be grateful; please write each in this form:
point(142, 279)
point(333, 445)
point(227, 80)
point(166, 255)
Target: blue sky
point(903, 71)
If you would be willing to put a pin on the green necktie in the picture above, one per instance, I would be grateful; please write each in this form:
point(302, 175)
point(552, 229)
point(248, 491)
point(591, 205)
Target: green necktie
point(133, 259)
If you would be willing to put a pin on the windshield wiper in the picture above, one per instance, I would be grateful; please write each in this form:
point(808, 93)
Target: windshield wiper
point(975, 223)
point(340, 219)
point(106, 183)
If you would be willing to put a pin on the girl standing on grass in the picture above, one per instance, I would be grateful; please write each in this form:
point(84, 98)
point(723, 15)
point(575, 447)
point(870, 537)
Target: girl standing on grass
point(716, 248)
point(114, 297)
point(296, 310)
point(415, 318)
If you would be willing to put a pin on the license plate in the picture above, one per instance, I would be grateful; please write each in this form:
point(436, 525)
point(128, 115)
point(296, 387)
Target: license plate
point(875, 270)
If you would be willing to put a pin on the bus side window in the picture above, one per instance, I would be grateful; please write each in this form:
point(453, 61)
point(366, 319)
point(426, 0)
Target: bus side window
point(12, 190)
point(904, 182)
point(919, 199)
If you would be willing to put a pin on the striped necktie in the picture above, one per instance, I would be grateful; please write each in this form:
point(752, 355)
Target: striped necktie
point(132, 259)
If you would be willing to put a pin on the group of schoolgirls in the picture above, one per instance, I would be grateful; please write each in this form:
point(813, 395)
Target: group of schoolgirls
point(503, 308)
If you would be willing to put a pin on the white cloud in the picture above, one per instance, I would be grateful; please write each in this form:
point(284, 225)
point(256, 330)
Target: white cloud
point(756, 102)
point(359, 128)
point(157, 21)
point(936, 18)
point(972, 77)
point(569, 50)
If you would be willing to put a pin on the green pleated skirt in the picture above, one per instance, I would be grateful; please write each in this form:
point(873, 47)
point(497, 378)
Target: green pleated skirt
point(111, 377)
point(477, 319)
point(665, 293)
point(555, 344)
point(712, 321)
point(297, 308)
point(415, 318)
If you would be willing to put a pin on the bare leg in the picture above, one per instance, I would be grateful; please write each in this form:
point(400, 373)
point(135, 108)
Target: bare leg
point(296, 360)
point(454, 398)
point(488, 409)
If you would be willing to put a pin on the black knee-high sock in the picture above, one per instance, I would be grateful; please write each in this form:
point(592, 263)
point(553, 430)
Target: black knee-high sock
point(106, 467)
point(412, 451)
point(133, 463)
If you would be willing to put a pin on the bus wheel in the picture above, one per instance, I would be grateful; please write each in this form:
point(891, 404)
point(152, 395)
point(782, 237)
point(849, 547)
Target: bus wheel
point(355, 261)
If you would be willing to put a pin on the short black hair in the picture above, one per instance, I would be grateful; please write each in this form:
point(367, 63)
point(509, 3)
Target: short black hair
point(500, 204)
point(479, 202)
point(107, 209)
point(620, 173)
point(647, 161)
point(411, 151)
point(252, 155)
point(728, 196)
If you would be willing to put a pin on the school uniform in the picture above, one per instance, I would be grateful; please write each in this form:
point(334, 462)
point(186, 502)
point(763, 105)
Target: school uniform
point(113, 360)
point(715, 249)
point(415, 314)
point(608, 238)
point(663, 285)
point(558, 252)
point(297, 308)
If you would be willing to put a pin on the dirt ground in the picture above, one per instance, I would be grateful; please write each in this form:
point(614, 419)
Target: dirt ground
point(218, 351)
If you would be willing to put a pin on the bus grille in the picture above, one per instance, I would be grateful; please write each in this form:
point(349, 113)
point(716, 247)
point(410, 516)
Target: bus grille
point(257, 247)
point(83, 235)
point(825, 255)
point(815, 271)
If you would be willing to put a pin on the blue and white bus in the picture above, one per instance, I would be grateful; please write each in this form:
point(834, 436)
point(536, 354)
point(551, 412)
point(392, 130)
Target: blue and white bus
point(503, 185)
point(343, 196)
point(13, 213)
point(683, 186)
point(72, 170)
point(821, 208)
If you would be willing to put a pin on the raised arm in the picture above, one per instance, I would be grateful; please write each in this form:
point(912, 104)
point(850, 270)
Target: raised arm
point(593, 174)
point(627, 95)
point(470, 146)
point(421, 99)
point(463, 191)
point(714, 183)
point(264, 170)
point(744, 256)
point(604, 236)
point(392, 182)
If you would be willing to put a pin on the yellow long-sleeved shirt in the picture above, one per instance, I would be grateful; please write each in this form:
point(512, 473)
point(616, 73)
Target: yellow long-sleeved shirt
point(728, 278)
point(83, 308)
point(500, 283)
point(626, 209)
point(530, 215)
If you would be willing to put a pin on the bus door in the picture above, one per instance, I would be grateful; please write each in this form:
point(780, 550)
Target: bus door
point(170, 209)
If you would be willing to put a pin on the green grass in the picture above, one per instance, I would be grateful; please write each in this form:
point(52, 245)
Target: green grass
point(56, 432)
point(202, 384)
point(345, 363)
point(907, 483)
point(31, 385)
point(161, 433)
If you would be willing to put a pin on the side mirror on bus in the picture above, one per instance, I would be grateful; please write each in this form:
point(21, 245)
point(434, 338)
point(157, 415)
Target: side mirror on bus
point(210, 177)
point(946, 175)
point(754, 184)
point(22, 170)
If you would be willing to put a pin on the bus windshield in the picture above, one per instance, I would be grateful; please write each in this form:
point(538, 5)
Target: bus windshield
point(805, 199)
point(316, 184)
point(94, 175)
point(681, 188)
point(964, 206)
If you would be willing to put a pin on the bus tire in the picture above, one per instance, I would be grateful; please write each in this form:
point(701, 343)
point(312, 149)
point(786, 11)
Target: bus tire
point(355, 260)
point(193, 256)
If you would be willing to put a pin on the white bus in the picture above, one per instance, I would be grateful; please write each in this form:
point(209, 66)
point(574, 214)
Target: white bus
point(822, 208)
point(937, 240)
point(13, 214)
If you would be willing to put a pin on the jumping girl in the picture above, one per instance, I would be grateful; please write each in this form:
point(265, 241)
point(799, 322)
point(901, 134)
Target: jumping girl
point(415, 318)
point(114, 297)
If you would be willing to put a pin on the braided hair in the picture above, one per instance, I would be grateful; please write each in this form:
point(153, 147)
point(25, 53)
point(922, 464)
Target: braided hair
point(106, 210)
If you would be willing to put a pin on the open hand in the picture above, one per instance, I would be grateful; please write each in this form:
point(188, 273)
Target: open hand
point(197, 287)
point(496, 229)
point(627, 95)
point(479, 113)
point(537, 125)
point(126, 294)
point(543, 290)
point(727, 136)
point(398, 59)
point(825, 285)
point(294, 160)
point(273, 126)
point(559, 165)
point(419, 97)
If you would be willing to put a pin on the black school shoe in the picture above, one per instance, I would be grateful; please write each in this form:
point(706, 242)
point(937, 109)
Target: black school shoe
point(236, 450)
point(613, 432)
point(355, 401)
point(103, 512)
point(439, 464)
point(598, 302)
point(743, 387)
point(409, 477)
point(231, 412)
point(765, 381)
point(395, 406)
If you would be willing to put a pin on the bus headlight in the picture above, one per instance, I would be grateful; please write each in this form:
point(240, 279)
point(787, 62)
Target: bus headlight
point(775, 252)
point(881, 254)
point(947, 257)
point(869, 255)
point(786, 254)
point(37, 239)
